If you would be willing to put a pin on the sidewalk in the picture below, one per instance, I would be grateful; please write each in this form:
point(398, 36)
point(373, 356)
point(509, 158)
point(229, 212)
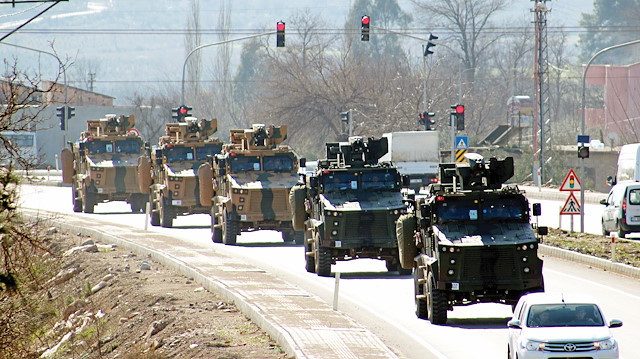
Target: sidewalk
point(304, 325)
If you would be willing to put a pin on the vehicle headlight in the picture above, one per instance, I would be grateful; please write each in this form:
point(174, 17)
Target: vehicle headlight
point(606, 344)
point(532, 345)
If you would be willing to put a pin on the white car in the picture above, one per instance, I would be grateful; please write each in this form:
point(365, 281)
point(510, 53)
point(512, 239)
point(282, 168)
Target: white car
point(622, 211)
point(558, 325)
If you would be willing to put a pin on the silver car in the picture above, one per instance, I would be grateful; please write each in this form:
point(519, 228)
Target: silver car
point(622, 211)
point(558, 325)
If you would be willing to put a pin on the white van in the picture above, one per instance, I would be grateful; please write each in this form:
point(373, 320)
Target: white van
point(629, 163)
point(622, 211)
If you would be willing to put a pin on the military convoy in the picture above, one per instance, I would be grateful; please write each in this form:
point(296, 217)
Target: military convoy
point(171, 172)
point(251, 179)
point(102, 165)
point(470, 240)
point(348, 207)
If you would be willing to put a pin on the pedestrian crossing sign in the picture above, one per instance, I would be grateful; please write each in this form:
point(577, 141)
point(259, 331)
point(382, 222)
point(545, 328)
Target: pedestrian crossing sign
point(571, 206)
point(462, 142)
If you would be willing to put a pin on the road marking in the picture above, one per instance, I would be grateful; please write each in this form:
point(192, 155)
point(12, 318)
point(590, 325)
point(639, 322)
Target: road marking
point(594, 283)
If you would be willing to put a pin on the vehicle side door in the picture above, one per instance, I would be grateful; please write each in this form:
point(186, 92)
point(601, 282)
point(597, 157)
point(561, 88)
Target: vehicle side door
point(607, 213)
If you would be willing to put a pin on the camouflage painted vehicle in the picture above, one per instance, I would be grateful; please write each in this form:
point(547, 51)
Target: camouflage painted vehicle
point(251, 181)
point(470, 240)
point(349, 206)
point(102, 165)
point(171, 172)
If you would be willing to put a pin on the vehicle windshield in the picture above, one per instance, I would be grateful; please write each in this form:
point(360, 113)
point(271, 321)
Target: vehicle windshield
point(208, 150)
point(457, 211)
point(178, 153)
point(96, 146)
point(277, 163)
point(132, 145)
point(340, 181)
point(564, 315)
point(503, 209)
point(244, 163)
point(378, 181)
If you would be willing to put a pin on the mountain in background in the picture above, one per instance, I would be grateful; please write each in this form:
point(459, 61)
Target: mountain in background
point(138, 46)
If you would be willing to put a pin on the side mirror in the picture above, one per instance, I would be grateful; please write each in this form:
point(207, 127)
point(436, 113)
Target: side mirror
point(82, 146)
point(406, 181)
point(603, 201)
point(222, 162)
point(615, 323)
point(514, 323)
point(222, 171)
point(313, 182)
point(611, 181)
point(543, 231)
point(302, 162)
point(425, 211)
point(537, 210)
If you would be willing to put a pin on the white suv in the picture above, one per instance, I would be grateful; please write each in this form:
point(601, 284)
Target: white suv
point(557, 325)
point(622, 211)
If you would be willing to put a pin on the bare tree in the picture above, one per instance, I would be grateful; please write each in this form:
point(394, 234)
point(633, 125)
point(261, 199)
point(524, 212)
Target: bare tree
point(470, 22)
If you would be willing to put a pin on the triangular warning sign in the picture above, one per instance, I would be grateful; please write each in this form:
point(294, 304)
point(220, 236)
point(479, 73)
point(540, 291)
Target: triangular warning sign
point(571, 206)
point(571, 182)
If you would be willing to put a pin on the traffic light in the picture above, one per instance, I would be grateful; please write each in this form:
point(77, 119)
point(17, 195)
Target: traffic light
point(427, 119)
point(280, 34)
point(430, 44)
point(365, 28)
point(583, 151)
point(70, 112)
point(174, 113)
point(344, 117)
point(61, 115)
point(458, 113)
point(182, 112)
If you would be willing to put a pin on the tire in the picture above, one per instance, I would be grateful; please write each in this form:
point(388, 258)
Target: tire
point(407, 250)
point(88, 200)
point(621, 232)
point(604, 230)
point(230, 231)
point(153, 213)
point(436, 303)
point(420, 304)
point(166, 213)
point(394, 266)
point(216, 233)
point(297, 196)
point(296, 237)
point(77, 202)
point(323, 262)
point(309, 260)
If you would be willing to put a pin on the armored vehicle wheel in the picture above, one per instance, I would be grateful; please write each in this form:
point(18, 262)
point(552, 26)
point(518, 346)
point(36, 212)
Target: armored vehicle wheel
point(77, 202)
point(393, 265)
point(138, 203)
point(293, 236)
point(230, 229)
point(309, 260)
point(621, 232)
point(323, 262)
point(604, 230)
point(153, 213)
point(436, 303)
point(88, 200)
point(421, 304)
point(407, 250)
point(166, 213)
point(216, 233)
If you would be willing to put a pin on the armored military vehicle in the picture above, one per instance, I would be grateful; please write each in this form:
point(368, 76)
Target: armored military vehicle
point(251, 181)
point(349, 206)
point(102, 165)
point(171, 172)
point(470, 239)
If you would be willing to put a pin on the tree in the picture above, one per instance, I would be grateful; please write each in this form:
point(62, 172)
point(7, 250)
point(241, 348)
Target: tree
point(611, 23)
point(469, 22)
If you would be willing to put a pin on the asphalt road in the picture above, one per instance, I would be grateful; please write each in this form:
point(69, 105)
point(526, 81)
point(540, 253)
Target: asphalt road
point(381, 301)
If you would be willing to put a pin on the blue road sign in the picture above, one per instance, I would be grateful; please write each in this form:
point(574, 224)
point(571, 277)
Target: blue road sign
point(583, 139)
point(462, 142)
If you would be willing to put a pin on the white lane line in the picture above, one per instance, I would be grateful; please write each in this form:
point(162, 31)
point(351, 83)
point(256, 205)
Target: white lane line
point(611, 289)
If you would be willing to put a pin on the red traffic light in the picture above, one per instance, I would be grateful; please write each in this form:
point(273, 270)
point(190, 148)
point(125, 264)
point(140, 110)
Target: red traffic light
point(280, 26)
point(365, 20)
point(183, 110)
point(459, 109)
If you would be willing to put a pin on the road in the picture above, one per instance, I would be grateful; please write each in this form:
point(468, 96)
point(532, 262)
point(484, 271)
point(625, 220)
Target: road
point(383, 302)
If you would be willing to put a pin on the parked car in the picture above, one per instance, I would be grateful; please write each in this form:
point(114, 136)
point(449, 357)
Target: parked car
point(622, 211)
point(560, 325)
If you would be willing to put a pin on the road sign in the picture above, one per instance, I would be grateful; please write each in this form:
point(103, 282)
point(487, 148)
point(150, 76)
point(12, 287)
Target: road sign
point(571, 206)
point(462, 142)
point(571, 182)
point(583, 139)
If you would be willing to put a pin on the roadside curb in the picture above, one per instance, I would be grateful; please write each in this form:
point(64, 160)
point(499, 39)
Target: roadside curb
point(600, 263)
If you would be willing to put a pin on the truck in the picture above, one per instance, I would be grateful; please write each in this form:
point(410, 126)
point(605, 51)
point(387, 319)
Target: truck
point(102, 165)
point(628, 164)
point(469, 240)
point(416, 154)
point(348, 207)
point(171, 171)
point(250, 182)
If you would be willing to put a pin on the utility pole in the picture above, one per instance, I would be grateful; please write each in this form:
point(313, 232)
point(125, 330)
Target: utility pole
point(542, 157)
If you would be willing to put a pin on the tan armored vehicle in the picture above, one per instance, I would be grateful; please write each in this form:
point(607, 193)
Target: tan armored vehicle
point(251, 182)
point(102, 165)
point(170, 173)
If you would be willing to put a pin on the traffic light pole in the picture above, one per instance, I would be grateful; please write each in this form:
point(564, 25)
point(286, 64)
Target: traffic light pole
point(584, 76)
point(184, 65)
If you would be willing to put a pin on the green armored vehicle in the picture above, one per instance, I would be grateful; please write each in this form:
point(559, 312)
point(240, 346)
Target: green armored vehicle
point(251, 179)
point(470, 240)
point(102, 165)
point(349, 205)
point(171, 173)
